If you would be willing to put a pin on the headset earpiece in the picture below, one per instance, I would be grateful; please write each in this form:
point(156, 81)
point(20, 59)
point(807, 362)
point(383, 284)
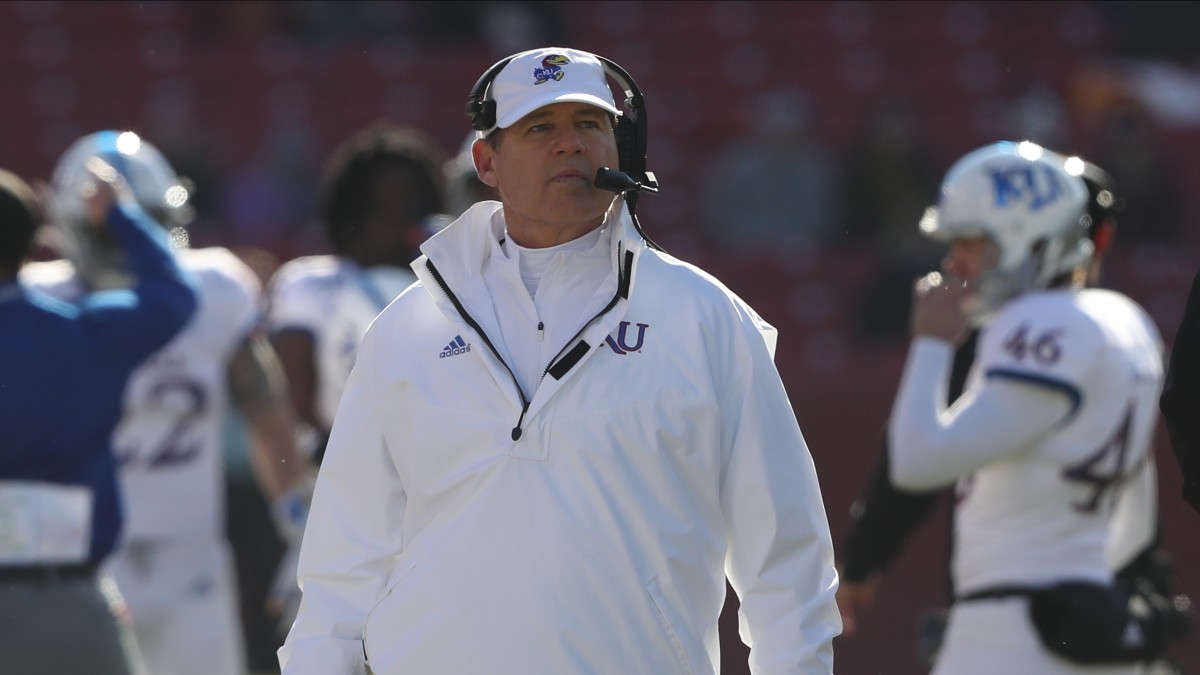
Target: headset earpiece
point(483, 114)
point(630, 126)
point(482, 109)
point(625, 131)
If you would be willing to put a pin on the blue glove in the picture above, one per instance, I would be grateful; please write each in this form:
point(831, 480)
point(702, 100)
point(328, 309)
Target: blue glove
point(290, 511)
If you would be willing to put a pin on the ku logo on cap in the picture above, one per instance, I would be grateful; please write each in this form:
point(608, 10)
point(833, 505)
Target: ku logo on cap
point(551, 69)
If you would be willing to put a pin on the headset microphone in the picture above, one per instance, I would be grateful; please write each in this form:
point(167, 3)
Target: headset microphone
point(618, 182)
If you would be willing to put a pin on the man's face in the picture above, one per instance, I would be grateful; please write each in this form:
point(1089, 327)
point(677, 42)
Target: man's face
point(544, 167)
point(391, 230)
point(969, 257)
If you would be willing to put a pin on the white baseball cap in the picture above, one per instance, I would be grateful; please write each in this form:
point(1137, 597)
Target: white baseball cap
point(540, 77)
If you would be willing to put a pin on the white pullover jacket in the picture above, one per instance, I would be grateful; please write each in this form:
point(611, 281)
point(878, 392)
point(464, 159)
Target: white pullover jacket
point(460, 529)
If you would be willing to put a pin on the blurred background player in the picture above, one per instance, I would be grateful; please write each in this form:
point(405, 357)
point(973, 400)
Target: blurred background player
point(463, 187)
point(63, 370)
point(885, 516)
point(174, 564)
point(382, 194)
point(1080, 369)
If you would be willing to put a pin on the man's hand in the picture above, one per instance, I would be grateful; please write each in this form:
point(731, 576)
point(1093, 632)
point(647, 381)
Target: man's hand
point(938, 308)
point(105, 188)
point(853, 596)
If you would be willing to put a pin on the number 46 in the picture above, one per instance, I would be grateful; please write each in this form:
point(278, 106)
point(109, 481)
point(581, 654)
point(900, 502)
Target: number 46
point(1044, 348)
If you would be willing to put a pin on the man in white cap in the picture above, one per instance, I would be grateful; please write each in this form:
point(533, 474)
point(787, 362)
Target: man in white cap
point(557, 443)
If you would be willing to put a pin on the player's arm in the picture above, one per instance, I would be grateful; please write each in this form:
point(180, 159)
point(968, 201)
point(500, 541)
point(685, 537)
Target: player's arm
point(932, 446)
point(884, 517)
point(1180, 399)
point(139, 321)
point(881, 521)
point(297, 354)
point(257, 388)
point(256, 384)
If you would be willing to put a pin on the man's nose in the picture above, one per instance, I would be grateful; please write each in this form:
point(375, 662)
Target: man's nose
point(569, 141)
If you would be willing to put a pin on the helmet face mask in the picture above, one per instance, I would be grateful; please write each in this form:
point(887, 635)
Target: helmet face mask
point(94, 252)
point(1021, 197)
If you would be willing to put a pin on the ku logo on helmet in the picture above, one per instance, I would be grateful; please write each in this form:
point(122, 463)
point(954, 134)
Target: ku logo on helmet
point(1034, 185)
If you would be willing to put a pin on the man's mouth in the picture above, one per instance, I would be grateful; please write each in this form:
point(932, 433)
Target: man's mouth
point(568, 176)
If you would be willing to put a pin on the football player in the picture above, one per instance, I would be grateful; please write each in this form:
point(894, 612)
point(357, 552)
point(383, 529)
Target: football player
point(382, 195)
point(1055, 419)
point(173, 564)
point(884, 517)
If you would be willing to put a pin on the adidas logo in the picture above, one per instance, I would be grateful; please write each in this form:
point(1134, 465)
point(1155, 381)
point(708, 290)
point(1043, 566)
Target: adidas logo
point(456, 347)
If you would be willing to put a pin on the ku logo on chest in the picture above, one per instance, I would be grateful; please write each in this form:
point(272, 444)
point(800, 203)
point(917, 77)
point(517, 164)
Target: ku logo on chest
point(626, 341)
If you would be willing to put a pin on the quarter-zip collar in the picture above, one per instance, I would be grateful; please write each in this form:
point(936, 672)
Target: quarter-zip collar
point(450, 269)
point(459, 251)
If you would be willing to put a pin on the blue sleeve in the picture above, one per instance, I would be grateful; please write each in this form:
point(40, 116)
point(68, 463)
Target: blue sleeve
point(131, 325)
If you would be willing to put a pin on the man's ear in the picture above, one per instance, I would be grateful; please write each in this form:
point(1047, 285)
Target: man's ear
point(484, 156)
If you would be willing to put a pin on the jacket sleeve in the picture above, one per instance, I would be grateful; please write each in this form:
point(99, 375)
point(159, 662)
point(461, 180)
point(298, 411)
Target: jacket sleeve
point(780, 553)
point(1180, 402)
point(353, 534)
point(133, 324)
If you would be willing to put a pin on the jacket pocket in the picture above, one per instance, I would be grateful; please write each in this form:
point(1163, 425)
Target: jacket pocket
point(675, 627)
point(398, 573)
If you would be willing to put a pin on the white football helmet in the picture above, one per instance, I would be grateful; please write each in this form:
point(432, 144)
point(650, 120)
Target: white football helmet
point(94, 252)
point(1033, 209)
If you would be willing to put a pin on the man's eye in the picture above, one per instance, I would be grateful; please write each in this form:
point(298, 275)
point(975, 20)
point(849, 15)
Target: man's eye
point(539, 127)
point(589, 124)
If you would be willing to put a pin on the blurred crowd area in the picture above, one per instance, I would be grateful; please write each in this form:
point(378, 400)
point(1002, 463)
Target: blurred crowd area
point(794, 136)
point(797, 145)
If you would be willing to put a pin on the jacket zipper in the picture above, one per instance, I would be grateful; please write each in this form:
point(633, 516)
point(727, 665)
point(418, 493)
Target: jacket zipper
point(462, 311)
point(625, 271)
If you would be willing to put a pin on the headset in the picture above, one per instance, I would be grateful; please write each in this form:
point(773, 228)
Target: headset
point(630, 130)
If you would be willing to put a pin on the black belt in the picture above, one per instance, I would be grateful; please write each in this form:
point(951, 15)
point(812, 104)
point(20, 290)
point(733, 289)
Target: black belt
point(47, 573)
point(997, 592)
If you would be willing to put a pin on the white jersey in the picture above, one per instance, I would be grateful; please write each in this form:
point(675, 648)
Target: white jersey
point(169, 439)
point(334, 300)
point(1044, 513)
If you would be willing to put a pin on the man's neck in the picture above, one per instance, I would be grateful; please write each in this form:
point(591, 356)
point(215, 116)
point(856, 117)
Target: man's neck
point(544, 235)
